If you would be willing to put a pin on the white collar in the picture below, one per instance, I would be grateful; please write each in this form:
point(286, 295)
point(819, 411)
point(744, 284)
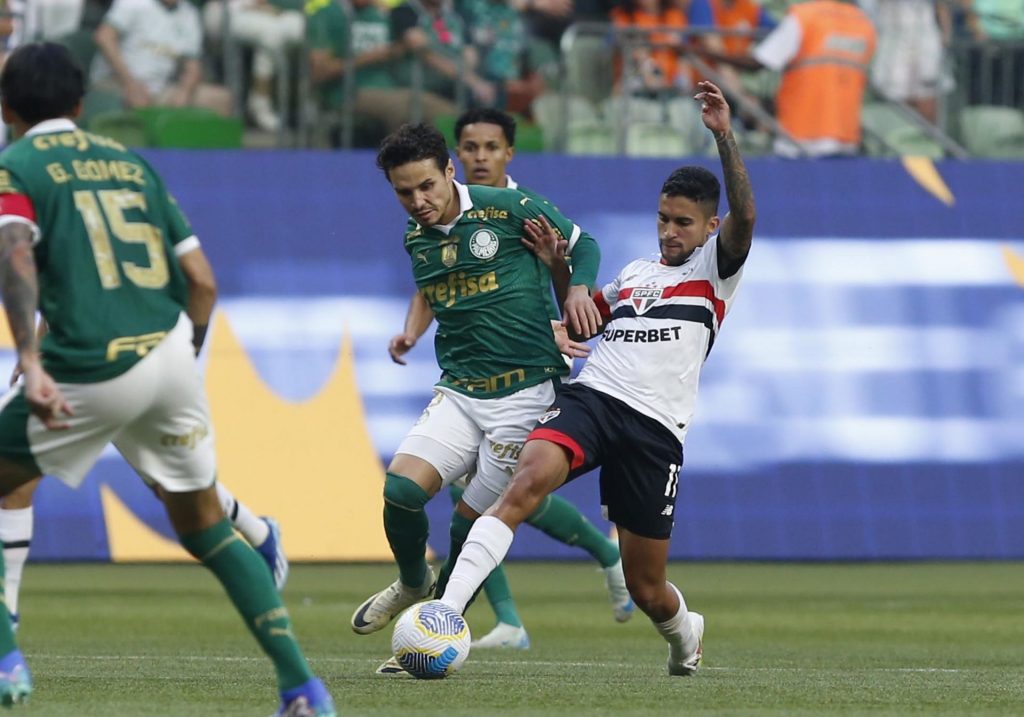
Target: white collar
point(465, 204)
point(511, 183)
point(59, 124)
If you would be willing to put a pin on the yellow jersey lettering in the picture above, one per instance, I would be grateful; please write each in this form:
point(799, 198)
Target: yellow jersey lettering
point(490, 384)
point(57, 173)
point(140, 345)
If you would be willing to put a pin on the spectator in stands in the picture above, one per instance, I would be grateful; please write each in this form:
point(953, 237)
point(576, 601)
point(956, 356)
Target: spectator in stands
point(339, 43)
point(548, 19)
point(498, 35)
point(823, 49)
point(731, 16)
point(270, 27)
point(433, 33)
point(909, 64)
point(651, 66)
point(150, 56)
point(996, 68)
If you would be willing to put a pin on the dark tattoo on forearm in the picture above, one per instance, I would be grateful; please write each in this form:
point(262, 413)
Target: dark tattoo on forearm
point(19, 286)
point(737, 182)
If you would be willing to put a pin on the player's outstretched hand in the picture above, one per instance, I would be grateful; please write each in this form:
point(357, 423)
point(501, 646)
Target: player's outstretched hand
point(544, 241)
point(714, 110)
point(581, 312)
point(399, 346)
point(44, 398)
point(572, 349)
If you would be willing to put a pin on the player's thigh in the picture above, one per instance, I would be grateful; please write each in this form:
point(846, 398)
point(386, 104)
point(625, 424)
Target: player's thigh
point(506, 422)
point(171, 444)
point(640, 479)
point(27, 447)
point(444, 439)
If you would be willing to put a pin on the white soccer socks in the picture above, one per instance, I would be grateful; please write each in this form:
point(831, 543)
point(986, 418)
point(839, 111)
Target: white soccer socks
point(678, 631)
point(254, 529)
point(485, 548)
point(16, 534)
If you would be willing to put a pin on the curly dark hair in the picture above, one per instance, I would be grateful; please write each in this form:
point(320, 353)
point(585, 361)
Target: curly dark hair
point(41, 81)
point(412, 143)
point(487, 115)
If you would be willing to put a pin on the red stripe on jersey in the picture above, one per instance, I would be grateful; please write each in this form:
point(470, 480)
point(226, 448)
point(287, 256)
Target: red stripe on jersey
point(576, 454)
point(602, 305)
point(698, 287)
point(18, 205)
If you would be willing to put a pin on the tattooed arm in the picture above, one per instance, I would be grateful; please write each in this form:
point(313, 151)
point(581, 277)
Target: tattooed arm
point(19, 290)
point(738, 226)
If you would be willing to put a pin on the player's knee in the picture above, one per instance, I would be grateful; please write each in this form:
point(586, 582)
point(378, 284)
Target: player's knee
point(404, 493)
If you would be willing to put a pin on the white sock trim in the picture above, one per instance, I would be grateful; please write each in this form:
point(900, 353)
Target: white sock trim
point(252, 528)
point(486, 546)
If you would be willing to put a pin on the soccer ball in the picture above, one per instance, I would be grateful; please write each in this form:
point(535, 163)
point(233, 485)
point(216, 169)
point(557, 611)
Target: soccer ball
point(431, 640)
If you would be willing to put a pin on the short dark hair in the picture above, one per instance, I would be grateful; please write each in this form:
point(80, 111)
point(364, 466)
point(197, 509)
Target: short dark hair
point(41, 81)
point(696, 184)
point(487, 115)
point(412, 143)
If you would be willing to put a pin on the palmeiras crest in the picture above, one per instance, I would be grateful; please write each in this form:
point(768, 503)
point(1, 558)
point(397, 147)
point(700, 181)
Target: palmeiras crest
point(643, 299)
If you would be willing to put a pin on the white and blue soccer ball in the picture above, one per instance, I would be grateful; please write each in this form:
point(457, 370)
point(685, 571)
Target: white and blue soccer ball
point(431, 640)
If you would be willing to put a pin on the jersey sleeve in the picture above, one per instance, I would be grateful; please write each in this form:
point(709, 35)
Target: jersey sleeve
point(724, 288)
point(15, 204)
point(582, 249)
point(605, 299)
point(182, 237)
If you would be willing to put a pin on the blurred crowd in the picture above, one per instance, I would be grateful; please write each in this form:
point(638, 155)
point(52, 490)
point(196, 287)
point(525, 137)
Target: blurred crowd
point(799, 73)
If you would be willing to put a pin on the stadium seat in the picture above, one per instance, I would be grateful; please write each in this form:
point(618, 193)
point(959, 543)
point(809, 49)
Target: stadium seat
point(591, 138)
point(889, 132)
point(529, 136)
point(621, 108)
point(445, 124)
point(993, 132)
point(656, 140)
point(190, 128)
point(588, 68)
point(126, 127)
point(548, 111)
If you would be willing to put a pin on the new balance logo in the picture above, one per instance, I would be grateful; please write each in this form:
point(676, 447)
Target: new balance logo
point(669, 509)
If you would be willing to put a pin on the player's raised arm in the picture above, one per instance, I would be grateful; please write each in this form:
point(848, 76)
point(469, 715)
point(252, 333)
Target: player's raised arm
point(738, 226)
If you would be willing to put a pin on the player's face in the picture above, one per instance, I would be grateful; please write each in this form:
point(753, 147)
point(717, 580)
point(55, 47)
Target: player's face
point(683, 225)
point(426, 193)
point(483, 153)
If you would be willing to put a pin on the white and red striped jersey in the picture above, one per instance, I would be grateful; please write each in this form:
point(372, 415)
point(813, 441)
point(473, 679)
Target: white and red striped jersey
point(661, 323)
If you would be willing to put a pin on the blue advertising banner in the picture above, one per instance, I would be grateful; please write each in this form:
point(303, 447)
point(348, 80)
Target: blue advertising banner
point(864, 401)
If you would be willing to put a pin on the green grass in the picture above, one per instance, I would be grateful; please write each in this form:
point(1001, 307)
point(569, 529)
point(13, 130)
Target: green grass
point(895, 639)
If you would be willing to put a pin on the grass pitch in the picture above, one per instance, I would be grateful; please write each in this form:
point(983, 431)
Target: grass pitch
point(894, 639)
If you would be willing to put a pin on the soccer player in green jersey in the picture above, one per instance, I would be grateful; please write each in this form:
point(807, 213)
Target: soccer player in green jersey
point(499, 361)
point(484, 145)
point(90, 237)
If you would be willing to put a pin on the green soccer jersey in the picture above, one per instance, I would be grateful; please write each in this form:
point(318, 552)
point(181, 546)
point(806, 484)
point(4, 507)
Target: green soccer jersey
point(110, 286)
point(490, 294)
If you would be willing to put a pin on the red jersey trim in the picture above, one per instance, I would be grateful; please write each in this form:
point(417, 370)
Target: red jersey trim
point(18, 205)
point(576, 453)
point(701, 288)
point(602, 305)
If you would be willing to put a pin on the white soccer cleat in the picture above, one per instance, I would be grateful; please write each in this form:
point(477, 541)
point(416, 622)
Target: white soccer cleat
point(393, 669)
point(688, 664)
point(378, 610)
point(622, 604)
point(503, 635)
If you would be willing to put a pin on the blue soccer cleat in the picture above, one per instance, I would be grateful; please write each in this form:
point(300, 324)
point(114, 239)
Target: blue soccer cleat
point(310, 699)
point(15, 680)
point(272, 551)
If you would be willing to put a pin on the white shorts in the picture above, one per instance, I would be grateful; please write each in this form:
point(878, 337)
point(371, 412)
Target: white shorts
point(908, 60)
point(155, 414)
point(459, 435)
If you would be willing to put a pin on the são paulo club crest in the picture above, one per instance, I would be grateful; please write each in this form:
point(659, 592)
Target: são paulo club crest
point(643, 299)
point(483, 244)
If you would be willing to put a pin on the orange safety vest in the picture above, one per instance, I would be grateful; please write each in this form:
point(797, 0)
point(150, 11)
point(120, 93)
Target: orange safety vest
point(823, 85)
point(737, 15)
